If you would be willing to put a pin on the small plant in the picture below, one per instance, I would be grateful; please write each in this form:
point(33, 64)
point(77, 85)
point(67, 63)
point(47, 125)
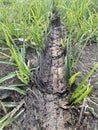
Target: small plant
point(14, 87)
point(39, 21)
point(83, 89)
point(18, 56)
point(10, 117)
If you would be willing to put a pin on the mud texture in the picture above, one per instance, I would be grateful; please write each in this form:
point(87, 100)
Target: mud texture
point(52, 77)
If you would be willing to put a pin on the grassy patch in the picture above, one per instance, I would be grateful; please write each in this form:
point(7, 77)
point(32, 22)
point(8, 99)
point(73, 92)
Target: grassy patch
point(27, 21)
point(80, 17)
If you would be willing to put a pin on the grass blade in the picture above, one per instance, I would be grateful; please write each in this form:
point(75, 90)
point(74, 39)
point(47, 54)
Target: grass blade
point(86, 78)
point(79, 93)
point(73, 77)
point(9, 76)
point(8, 104)
point(82, 96)
point(7, 63)
point(15, 88)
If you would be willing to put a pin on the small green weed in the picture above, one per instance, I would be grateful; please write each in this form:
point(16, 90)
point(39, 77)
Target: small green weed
point(83, 89)
point(10, 117)
point(14, 87)
point(18, 56)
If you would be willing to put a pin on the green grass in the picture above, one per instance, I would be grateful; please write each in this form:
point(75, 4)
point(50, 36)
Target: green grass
point(10, 117)
point(83, 89)
point(27, 21)
point(18, 56)
point(80, 18)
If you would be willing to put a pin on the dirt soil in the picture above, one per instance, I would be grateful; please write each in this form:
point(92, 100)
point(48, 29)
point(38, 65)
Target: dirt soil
point(79, 117)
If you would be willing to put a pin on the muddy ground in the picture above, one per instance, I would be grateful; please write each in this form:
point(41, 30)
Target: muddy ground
point(79, 117)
